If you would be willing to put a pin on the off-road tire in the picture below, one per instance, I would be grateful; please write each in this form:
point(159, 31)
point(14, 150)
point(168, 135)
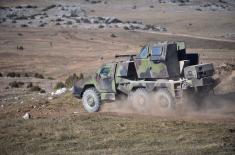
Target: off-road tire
point(91, 100)
point(165, 100)
point(139, 99)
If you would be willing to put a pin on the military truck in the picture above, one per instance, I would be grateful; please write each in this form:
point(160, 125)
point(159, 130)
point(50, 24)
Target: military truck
point(161, 68)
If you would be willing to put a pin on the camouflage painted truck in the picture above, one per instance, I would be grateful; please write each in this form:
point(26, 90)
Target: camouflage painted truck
point(161, 68)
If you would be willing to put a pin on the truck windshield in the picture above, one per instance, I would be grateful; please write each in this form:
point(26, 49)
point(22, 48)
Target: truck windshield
point(105, 71)
point(143, 53)
point(156, 51)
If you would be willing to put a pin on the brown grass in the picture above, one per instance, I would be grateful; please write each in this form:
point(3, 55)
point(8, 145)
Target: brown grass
point(55, 129)
point(109, 133)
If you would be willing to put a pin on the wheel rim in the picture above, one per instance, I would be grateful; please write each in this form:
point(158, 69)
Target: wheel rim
point(140, 100)
point(164, 102)
point(91, 101)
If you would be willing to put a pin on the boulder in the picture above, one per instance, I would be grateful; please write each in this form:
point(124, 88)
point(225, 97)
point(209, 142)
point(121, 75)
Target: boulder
point(59, 91)
point(26, 116)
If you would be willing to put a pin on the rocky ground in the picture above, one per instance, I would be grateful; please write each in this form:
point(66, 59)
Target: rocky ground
point(43, 43)
point(65, 16)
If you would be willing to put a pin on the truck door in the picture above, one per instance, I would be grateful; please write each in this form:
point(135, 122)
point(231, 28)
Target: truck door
point(157, 64)
point(142, 63)
point(105, 78)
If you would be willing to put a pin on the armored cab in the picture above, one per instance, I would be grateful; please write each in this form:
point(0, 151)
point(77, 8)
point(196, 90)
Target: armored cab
point(158, 61)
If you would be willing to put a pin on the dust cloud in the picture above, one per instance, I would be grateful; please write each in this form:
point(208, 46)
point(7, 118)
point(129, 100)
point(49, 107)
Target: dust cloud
point(219, 105)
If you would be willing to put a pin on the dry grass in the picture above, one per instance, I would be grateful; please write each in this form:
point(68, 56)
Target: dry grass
point(104, 133)
point(54, 129)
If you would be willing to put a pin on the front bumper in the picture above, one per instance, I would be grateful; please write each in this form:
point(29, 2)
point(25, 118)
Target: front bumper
point(203, 85)
point(77, 91)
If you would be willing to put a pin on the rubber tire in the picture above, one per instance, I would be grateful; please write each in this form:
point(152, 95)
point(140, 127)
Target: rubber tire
point(167, 95)
point(133, 97)
point(96, 96)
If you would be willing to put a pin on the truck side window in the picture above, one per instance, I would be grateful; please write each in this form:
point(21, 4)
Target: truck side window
point(156, 51)
point(105, 71)
point(143, 54)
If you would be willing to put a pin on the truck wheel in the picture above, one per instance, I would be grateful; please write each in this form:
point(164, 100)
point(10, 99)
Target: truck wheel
point(139, 99)
point(165, 100)
point(91, 100)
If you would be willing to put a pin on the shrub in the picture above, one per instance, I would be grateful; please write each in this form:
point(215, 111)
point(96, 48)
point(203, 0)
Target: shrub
point(126, 28)
point(20, 34)
point(3, 7)
point(34, 15)
point(42, 91)
point(17, 74)
point(12, 15)
point(19, 7)
point(73, 13)
point(71, 79)
point(31, 6)
point(69, 23)
point(113, 35)
point(21, 18)
point(198, 9)
point(59, 20)
point(16, 84)
point(26, 75)
point(59, 85)
point(24, 25)
point(35, 88)
point(50, 78)
point(42, 25)
point(101, 26)
point(30, 85)
point(39, 76)
point(13, 74)
point(20, 48)
point(81, 76)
